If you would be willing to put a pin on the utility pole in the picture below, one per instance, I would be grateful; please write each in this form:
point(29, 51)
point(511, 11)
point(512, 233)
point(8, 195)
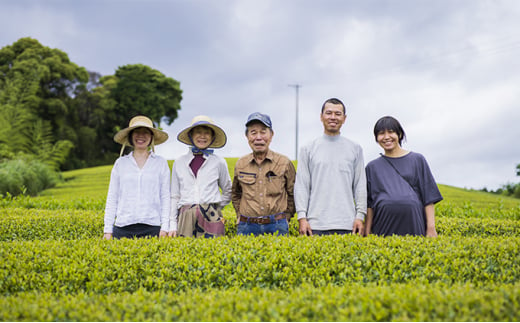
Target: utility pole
point(297, 88)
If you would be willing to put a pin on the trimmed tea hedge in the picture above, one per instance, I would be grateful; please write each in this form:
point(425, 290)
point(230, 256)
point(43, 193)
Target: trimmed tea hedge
point(352, 302)
point(481, 227)
point(64, 224)
point(18, 224)
point(248, 262)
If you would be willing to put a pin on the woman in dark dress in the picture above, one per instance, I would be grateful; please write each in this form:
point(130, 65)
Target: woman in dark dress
point(401, 189)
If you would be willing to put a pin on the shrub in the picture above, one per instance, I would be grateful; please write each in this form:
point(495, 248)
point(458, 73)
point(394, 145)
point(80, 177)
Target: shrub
point(24, 218)
point(356, 302)
point(26, 177)
point(180, 264)
point(18, 224)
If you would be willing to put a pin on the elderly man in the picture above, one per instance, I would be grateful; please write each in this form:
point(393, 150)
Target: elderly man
point(331, 190)
point(262, 190)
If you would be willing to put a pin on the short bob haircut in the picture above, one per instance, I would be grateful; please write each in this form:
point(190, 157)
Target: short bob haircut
point(391, 124)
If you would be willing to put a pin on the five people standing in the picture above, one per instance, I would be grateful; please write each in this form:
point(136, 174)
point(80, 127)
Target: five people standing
point(332, 191)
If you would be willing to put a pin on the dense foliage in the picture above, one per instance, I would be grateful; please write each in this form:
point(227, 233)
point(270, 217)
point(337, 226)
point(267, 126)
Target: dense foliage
point(352, 302)
point(26, 177)
point(57, 112)
point(56, 267)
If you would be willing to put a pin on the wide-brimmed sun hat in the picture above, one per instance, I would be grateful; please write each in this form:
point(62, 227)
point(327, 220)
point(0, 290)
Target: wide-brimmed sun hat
point(121, 137)
point(219, 139)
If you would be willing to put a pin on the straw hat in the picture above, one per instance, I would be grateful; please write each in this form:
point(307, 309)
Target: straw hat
point(121, 136)
point(220, 136)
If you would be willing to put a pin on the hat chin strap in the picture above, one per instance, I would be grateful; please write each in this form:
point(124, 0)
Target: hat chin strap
point(122, 150)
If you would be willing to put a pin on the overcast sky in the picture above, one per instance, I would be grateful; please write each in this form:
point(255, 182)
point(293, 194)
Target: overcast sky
point(449, 70)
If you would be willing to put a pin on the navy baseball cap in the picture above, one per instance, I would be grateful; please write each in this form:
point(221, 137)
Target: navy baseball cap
point(263, 118)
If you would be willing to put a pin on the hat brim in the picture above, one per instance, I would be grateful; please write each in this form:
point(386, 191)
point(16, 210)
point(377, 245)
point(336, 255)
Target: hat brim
point(121, 137)
point(220, 135)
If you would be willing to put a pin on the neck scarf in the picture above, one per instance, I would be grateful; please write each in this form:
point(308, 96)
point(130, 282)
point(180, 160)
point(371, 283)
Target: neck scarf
point(206, 151)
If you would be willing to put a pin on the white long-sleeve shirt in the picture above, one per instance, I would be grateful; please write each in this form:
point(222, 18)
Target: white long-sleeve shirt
point(204, 189)
point(138, 195)
point(330, 188)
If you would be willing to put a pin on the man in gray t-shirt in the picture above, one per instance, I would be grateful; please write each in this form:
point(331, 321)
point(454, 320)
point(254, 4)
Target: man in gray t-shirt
point(330, 190)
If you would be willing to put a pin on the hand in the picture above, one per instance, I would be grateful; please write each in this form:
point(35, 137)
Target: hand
point(304, 227)
point(107, 236)
point(358, 227)
point(172, 234)
point(163, 234)
point(431, 232)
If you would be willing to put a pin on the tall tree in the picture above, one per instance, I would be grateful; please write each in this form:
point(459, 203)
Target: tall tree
point(139, 89)
point(57, 77)
point(91, 115)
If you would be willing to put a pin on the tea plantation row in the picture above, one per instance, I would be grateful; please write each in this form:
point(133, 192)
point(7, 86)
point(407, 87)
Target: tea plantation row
point(263, 278)
point(353, 302)
point(70, 224)
point(65, 267)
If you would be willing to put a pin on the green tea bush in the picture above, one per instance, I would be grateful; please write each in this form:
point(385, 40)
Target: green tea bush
point(482, 227)
point(181, 264)
point(48, 219)
point(353, 302)
point(73, 203)
point(469, 209)
point(18, 224)
point(24, 218)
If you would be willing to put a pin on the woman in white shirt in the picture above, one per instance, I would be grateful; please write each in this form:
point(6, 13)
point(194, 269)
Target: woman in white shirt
point(138, 199)
point(197, 202)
